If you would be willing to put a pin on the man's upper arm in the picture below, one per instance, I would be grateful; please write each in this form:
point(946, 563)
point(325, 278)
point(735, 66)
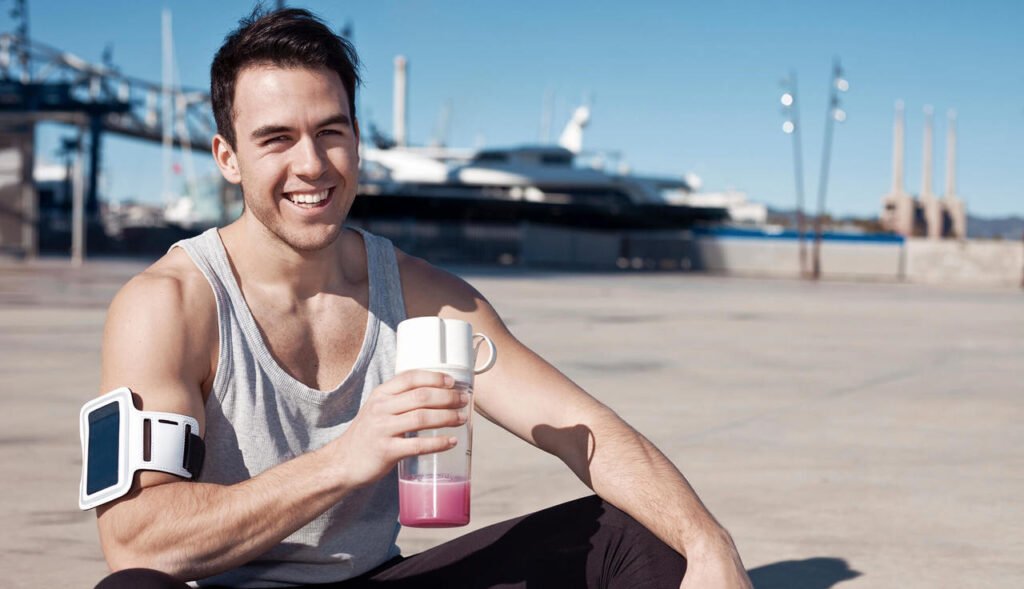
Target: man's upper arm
point(522, 392)
point(150, 345)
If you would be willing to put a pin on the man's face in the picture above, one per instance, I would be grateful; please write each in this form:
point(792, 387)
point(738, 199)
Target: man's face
point(297, 152)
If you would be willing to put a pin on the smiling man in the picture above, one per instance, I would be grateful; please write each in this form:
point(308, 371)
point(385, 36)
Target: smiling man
point(277, 334)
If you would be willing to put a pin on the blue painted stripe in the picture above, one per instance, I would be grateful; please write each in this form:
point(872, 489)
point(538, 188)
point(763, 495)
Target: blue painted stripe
point(791, 235)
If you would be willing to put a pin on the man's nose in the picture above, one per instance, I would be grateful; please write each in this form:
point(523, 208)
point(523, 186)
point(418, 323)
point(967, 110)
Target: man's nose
point(309, 161)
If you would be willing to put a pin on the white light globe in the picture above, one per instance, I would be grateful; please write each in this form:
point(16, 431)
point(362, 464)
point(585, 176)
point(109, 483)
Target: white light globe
point(788, 127)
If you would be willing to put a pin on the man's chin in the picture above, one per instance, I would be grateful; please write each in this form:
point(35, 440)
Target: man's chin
point(305, 238)
point(313, 241)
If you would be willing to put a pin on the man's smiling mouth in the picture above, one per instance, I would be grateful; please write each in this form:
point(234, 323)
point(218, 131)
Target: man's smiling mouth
point(310, 200)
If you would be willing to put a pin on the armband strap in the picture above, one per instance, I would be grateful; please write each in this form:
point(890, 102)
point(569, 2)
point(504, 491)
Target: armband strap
point(195, 452)
point(168, 439)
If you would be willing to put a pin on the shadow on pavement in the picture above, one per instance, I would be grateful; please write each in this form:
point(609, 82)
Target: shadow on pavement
point(821, 572)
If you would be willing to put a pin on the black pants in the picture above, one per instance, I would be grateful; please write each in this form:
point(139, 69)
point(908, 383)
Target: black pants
point(583, 543)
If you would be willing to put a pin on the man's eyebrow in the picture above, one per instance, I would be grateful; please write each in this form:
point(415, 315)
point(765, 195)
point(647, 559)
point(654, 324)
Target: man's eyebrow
point(268, 130)
point(338, 119)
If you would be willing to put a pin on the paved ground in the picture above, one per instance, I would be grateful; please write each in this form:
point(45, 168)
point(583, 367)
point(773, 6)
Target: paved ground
point(853, 435)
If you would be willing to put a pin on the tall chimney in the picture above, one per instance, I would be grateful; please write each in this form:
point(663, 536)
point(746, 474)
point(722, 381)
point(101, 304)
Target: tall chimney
point(400, 118)
point(926, 158)
point(951, 154)
point(955, 207)
point(897, 150)
point(897, 206)
point(931, 205)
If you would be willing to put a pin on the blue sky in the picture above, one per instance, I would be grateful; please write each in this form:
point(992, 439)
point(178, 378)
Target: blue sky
point(675, 86)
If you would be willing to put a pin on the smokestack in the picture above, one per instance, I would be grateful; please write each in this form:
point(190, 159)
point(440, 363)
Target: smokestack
point(401, 96)
point(897, 207)
point(897, 150)
point(951, 154)
point(955, 207)
point(926, 158)
point(931, 205)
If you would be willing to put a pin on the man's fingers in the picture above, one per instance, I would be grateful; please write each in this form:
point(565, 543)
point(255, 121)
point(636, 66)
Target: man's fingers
point(427, 398)
point(422, 419)
point(424, 445)
point(416, 379)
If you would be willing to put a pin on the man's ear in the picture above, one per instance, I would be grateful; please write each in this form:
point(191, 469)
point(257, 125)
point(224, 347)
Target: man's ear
point(226, 159)
point(355, 128)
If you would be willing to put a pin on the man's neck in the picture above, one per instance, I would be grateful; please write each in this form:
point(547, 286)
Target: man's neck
point(263, 260)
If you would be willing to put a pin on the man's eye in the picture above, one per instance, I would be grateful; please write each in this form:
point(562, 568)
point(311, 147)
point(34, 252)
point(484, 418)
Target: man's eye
point(330, 132)
point(278, 139)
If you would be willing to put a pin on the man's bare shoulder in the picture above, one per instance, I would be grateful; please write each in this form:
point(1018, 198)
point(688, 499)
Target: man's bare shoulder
point(161, 326)
point(429, 290)
point(173, 286)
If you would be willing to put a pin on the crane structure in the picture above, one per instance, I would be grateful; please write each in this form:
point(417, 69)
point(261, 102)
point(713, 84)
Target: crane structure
point(39, 83)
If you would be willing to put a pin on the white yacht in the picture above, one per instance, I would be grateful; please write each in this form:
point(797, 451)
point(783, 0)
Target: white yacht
point(544, 181)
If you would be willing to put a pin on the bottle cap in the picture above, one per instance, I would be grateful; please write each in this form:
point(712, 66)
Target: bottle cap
point(445, 345)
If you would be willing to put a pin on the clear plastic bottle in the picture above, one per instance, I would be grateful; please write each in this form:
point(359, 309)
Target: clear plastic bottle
point(434, 489)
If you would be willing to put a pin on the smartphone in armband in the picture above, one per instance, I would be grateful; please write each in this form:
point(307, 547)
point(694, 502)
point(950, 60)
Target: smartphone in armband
point(118, 440)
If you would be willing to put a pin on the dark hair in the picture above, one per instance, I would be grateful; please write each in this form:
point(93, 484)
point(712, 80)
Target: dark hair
point(292, 37)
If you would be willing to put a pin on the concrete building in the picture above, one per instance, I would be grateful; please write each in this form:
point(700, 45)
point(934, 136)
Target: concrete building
point(18, 198)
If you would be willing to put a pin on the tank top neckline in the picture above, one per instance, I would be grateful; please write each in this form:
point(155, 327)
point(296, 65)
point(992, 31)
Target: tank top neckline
point(261, 350)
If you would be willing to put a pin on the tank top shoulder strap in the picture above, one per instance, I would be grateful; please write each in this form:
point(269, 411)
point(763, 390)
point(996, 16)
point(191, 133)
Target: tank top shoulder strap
point(385, 279)
point(203, 250)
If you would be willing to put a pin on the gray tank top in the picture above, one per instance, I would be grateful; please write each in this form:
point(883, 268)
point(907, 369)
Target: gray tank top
point(258, 416)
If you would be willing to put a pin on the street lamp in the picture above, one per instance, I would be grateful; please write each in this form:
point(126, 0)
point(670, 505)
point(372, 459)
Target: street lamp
point(792, 127)
point(835, 113)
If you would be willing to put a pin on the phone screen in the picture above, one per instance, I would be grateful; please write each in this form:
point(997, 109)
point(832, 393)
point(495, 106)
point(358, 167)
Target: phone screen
point(104, 427)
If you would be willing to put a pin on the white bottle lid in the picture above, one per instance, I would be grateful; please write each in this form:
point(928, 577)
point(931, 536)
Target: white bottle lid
point(444, 345)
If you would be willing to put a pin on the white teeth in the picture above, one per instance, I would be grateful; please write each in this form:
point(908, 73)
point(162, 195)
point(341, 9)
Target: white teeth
point(309, 199)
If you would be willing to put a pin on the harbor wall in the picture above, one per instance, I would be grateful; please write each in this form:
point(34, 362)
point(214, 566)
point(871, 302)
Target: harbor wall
point(747, 253)
point(756, 253)
point(973, 261)
point(565, 248)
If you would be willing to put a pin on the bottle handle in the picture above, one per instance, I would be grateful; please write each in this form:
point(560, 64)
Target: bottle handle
point(492, 353)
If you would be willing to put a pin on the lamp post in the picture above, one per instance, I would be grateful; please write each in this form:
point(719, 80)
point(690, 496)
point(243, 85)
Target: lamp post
point(791, 126)
point(833, 115)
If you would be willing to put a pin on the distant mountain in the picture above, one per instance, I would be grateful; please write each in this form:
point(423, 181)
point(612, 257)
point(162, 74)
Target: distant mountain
point(785, 217)
point(995, 228)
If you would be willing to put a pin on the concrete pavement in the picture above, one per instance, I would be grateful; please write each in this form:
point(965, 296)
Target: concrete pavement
point(853, 435)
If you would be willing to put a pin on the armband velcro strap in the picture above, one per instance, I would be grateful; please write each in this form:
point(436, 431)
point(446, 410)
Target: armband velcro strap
point(195, 452)
point(167, 443)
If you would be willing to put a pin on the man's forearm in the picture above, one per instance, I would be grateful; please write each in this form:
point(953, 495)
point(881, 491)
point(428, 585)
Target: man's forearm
point(195, 530)
point(636, 477)
point(627, 470)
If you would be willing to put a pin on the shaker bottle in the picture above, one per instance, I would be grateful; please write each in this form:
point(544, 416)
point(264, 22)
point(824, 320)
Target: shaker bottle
point(433, 489)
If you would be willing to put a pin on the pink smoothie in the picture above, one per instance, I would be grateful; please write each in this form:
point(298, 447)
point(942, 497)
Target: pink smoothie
point(426, 504)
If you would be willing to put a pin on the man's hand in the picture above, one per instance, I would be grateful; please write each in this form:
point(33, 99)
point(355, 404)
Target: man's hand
point(412, 401)
point(715, 565)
